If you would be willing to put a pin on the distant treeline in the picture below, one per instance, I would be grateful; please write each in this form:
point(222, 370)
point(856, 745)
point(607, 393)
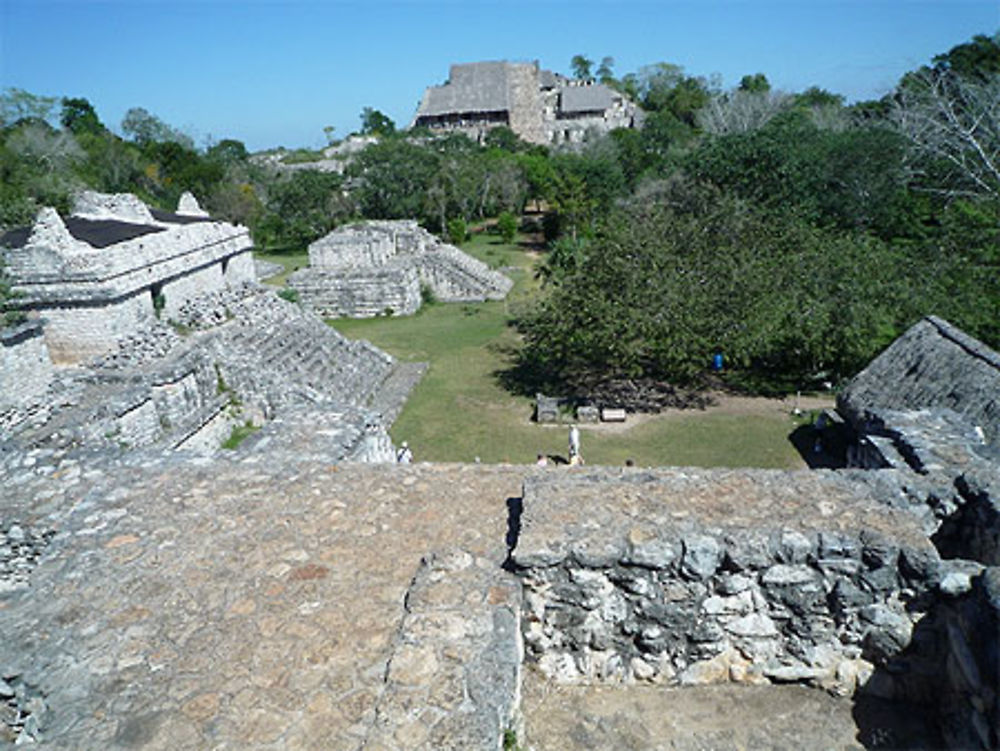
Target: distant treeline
point(792, 232)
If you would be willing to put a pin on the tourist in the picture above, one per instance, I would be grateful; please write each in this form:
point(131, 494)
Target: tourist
point(542, 461)
point(574, 442)
point(404, 455)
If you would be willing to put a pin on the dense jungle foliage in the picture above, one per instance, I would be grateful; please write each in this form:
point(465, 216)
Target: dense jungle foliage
point(793, 233)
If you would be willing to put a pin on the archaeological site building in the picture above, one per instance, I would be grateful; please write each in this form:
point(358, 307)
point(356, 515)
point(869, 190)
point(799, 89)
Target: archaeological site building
point(380, 267)
point(538, 105)
point(115, 264)
point(147, 329)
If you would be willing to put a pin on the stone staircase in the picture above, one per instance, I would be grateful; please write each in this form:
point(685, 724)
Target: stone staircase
point(457, 277)
point(275, 351)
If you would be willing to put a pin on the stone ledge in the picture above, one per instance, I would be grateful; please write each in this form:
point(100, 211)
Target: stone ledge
point(453, 679)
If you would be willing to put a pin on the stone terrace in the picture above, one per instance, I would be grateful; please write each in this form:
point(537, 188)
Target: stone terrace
point(274, 600)
point(258, 603)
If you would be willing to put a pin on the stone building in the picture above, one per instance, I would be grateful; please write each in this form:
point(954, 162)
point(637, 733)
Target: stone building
point(933, 373)
point(377, 267)
point(115, 265)
point(540, 106)
point(147, 330)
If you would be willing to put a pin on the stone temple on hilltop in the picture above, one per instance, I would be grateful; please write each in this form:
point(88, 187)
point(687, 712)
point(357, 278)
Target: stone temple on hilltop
point(378, 267)
point(538, 105)
point(148, 329)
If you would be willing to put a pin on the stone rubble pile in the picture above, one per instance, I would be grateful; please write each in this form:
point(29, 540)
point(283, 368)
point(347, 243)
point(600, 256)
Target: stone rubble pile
point(23, 711)
point(214, 308)
point(20, 549)
point(151, 343)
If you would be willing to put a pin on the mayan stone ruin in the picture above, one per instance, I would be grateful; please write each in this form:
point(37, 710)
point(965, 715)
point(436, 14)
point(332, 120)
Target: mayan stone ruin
point(538, 105)
point(148, 329)
point(303, 591)
point(379, 267)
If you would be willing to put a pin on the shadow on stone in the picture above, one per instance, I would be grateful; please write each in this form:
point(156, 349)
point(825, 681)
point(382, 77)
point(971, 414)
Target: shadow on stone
point(514, 507)
point(830, 442)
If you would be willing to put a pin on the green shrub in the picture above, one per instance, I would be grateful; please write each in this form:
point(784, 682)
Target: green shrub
point(292, 295)
point(239, 434)
point(427, 296)
point(507, 226)
point(456, 231)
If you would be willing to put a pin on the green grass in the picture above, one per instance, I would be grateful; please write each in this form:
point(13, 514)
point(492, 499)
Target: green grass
point(291, 260)
point(459, 411)
point(239, 434)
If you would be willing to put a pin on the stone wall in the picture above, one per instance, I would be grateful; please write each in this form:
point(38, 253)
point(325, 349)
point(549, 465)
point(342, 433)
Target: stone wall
point(178, 290)
point(79, 331)
point(358, 294)
point(363, 270)
point(694, 576)
point(698, 577)
point(25, 374)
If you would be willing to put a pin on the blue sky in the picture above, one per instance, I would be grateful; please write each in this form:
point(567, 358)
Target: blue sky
point(275, 73)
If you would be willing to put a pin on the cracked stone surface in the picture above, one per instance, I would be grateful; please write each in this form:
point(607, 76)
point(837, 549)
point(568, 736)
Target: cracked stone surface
point(234, 605)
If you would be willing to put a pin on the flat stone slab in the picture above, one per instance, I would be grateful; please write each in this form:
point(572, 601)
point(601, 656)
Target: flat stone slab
point(601, 516)
point(235, 604)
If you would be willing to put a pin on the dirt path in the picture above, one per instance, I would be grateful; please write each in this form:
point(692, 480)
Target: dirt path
point(722, 404)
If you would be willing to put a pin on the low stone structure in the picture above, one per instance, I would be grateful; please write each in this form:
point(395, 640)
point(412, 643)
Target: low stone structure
point(538, 105)
point(115, 265)
point(933, 365)
point(207, 351)
point(151, 600)
point(378, 268)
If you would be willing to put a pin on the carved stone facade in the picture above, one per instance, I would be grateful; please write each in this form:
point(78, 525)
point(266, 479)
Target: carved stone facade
point(115, 266)
point(538, 105)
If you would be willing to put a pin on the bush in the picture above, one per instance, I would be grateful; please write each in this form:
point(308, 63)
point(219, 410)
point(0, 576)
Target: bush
point(291, 295)
point(507, 226)
point(456, 231)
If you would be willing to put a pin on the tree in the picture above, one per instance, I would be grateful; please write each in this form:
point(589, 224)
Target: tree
point(581, 66)
point(375, 123)
point(953, 125)
point(668, 281)
point(78, 115)
point(301, 208)
point(17, 105)
point(604, 71)
point(978, 59)
point(228, 151)
point(145, 128)
point(741, 111)
point(755, 84)
point(392, 178)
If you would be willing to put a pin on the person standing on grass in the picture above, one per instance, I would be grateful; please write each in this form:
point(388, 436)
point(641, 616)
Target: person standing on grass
point(574, 442)
point(404, 455)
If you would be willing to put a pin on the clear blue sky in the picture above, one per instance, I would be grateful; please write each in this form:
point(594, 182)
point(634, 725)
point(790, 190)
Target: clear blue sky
point(275, 73)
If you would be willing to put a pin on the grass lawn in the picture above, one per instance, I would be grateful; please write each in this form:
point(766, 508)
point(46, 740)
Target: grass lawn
point(290, 260)
point(459, 412)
